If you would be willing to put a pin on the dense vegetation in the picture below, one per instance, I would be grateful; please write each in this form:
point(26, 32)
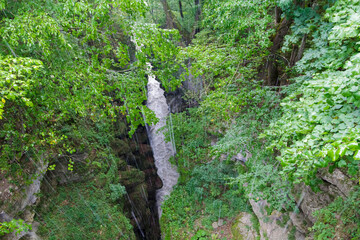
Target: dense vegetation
point(277, 84)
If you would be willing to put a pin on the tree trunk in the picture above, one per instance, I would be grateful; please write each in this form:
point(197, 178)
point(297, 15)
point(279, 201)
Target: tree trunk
point(181, 9)
point(277, 15)
point(173, 22)
point(197, 17)
point(273, 72)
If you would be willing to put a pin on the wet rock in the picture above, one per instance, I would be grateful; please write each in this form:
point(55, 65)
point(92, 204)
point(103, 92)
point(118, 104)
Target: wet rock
point(141, 181)
point(243, 228)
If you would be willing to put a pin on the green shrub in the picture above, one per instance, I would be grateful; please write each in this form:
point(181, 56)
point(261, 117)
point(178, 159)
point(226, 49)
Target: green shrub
point(15, 225)
point(82, 211)
point(340, 219)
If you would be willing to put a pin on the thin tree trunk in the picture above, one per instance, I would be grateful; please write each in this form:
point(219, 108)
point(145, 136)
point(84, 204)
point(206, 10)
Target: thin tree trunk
point(181, 9)
point(197, 17)
point(302, 48)
point(273, 71)
point(277, 15)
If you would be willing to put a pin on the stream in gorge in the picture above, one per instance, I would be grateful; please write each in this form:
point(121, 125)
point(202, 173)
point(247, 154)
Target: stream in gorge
point(162, 150)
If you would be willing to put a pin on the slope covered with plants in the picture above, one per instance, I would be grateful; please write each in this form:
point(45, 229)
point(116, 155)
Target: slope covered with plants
point(266, 132)
point(295, 128)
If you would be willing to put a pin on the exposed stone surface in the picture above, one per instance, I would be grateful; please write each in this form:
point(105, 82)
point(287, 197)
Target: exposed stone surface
point(6, 189)
point(243, 228)
point(300, 236)
point(28, 216)
point(220, 222)
point(338, 179)
point(4, 217)
point(300, 222)
point(34, 188)
point(141, 181)
point(269, 229)
point(16, 199)
point(309, 201)
point(215, 225)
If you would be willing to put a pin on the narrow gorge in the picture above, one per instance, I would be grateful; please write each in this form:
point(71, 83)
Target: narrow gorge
point(163, 150)
point(179, 120)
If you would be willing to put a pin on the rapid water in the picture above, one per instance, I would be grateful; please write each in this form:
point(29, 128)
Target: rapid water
point(162, 150)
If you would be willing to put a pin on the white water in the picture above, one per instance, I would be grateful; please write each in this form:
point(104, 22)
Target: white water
point(162, 150)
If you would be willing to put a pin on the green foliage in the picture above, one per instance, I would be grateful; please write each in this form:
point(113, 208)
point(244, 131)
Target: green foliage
point(319, 126)
point(233, 32)
point(259, 175)
point(72, 71)
point(158, 46)
point(157, 14)
point(15, 225)
point(191, 138)
point(204, 197)
point(81, 211)
point(16, 79)
point(200, 235)
point(226, 54)
point(117, 191)
point(339, 219)
point(239, 21)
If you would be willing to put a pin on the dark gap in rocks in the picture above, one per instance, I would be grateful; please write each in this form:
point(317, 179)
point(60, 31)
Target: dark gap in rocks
point(141, 187)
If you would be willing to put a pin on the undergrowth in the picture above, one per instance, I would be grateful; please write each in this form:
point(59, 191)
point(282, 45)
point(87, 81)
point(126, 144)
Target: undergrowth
point(204, 199)
point(83, 211)
point(341, 219)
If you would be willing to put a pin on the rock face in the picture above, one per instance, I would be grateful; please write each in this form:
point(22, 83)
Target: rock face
point(311, 201)
point(162, 150)
point(62, 175)
point(334, 185)
point(243, 228)
point(16, 199)
point(301, 223)
point(139, 176)
point(136, 170)
point(279, 226)
point(338, 179)
point(269, 229)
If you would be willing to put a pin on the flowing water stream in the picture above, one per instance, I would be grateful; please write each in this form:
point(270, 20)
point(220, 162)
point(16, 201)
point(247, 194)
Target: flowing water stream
point(162, 150)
